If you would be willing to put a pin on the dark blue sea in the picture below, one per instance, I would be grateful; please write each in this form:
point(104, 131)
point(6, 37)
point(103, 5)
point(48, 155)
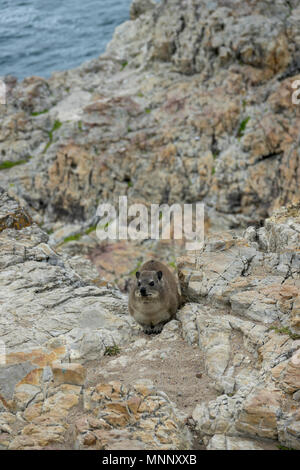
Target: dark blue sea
point(38, 37)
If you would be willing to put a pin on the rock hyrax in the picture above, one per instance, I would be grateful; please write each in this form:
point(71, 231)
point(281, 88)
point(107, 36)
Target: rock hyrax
point(154, 297)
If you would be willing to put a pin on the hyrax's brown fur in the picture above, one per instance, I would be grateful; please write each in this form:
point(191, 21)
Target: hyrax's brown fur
point(154, 297)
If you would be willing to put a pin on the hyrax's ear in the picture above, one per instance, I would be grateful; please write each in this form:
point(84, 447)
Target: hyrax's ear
point(159, 275)
point(137, 274)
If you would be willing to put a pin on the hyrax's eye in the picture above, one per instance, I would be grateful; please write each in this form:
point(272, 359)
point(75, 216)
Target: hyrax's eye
point(151, 283)
point(139, 283)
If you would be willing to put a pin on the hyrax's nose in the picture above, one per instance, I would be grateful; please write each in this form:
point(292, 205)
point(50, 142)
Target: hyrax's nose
point(143, 291)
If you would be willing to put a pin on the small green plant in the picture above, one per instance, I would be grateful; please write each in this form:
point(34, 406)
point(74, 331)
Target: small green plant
point(57, 124)
point(112, 350)
point(213, 170)
point(280, 447)
point(47, 146)
point(80, 125)
point(140, 94)
point(147, 110)
point(73, 238)
point(9, 164)
point(284, 331)
point(104, 226)
point(77, 236)
point(38, 113)
point(172, 264)
point(124, 64)
point(243, 127)
point(90, 229)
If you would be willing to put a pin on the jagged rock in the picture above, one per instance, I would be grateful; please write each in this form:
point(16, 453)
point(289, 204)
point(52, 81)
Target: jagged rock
point(287, 373)
point(259, 414)
point(24, 394)
point(243, 298)
point(233, 272)
point(141, 412)
point(47, 425)
point(283, 229)
point(289, 430)
point(73, 374)
point(221, 442)
point(49, 313)
point(189, 102)
point(295, 315)
point(281, 232)
point(231, 346)
point(10, 376)
point(139, 7)
point(219, 416)
point(53, 318)
point(11, 215)
point(140, 416)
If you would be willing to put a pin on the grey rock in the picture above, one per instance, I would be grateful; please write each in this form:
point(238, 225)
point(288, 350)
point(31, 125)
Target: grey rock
point(223, 442)
point(140, 7)
point(10, 375)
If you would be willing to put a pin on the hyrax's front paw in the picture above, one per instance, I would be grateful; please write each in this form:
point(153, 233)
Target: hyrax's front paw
point(158, 328)
point(149, 330)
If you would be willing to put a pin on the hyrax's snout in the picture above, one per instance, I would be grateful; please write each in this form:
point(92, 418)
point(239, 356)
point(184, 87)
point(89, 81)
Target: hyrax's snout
point(143, 291)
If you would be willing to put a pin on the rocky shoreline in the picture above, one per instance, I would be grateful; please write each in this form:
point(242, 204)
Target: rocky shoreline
point(188, 103)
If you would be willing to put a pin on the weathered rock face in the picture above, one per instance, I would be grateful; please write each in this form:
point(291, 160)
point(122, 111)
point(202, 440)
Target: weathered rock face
point(222, 442)
point(111, 417)
point(11, 215)
point(83, 314)
point(243, 314)
point(139, 7)
point(53, 321)
point(143, 416)
point(48, 310)
point(257, 285)
point(240, 314)
point(192, 101)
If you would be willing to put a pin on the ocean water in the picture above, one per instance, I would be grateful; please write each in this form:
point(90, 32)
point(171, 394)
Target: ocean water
point(38, 37)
